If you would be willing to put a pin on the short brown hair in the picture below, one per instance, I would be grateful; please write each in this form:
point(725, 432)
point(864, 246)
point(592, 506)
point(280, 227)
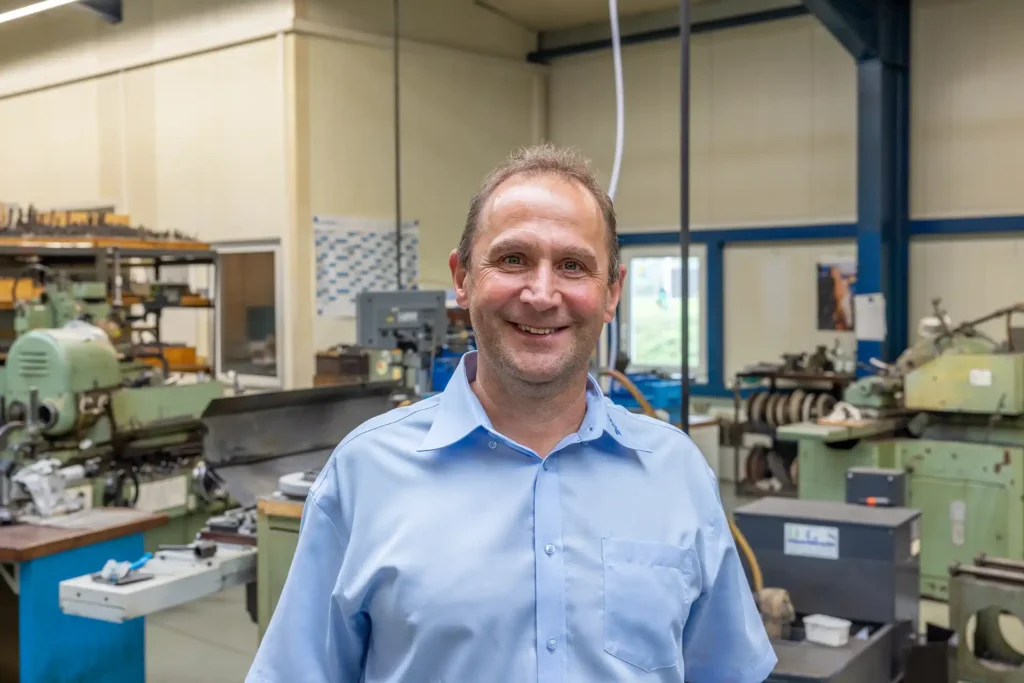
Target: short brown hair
point(544, 159)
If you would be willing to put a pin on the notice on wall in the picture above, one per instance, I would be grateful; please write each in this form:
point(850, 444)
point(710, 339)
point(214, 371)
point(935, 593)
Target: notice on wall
point(837, 282)
point(870, 312)
point(355, 254)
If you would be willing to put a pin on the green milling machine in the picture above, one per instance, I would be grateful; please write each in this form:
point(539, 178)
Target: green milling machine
point(84, 426)
point(949, 413)
point(90, 419)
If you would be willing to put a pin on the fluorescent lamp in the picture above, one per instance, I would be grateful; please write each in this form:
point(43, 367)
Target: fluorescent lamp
point(34, 8)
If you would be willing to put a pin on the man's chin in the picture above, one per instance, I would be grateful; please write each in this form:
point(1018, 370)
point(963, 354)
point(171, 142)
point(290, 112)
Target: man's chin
point(541, 374)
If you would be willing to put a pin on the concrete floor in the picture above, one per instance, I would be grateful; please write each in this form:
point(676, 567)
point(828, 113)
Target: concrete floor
point(214, 641)
point(209, 641)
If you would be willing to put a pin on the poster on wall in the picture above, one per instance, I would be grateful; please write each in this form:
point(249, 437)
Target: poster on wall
point(356, 254)
point(837, 282)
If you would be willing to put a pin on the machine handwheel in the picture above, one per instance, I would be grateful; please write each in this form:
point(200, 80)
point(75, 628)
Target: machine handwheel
point(757, 464)
point(121, 489)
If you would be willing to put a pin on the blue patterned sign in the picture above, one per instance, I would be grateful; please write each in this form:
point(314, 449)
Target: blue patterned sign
point(359, 254)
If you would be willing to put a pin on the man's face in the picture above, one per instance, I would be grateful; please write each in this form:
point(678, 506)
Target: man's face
point(537, 287)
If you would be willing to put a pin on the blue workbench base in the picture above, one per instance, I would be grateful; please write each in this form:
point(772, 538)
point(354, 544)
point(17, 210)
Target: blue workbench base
point(56, 648)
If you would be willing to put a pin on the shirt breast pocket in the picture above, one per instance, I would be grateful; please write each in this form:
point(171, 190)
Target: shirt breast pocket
point(648, 591)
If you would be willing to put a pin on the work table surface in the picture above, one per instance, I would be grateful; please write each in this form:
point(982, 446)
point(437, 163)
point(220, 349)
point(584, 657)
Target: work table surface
point(24, 542)
point(280, 507)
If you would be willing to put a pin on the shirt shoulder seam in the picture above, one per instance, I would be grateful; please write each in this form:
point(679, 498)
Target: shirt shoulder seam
point(352, 436)
point(367, 430)
point(334, 527)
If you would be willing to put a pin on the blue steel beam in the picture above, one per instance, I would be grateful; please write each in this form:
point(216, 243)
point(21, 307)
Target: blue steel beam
point(112, 11)
point(877, 35)
point(852, 22)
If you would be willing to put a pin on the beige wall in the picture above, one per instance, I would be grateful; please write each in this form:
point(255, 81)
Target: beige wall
point(464, 25)
point(175, 117)
point(193, 143)
point(967, 146)
point(773, 137)
point(772, 126)
point(462, 112)
point(771, 301)
point(237, 120)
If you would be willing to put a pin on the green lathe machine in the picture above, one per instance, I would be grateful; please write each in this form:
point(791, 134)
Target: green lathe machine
point(87, 426)
point(950, 414)
point(91, 419)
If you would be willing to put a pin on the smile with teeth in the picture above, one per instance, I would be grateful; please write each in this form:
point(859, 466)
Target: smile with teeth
point(538, 330)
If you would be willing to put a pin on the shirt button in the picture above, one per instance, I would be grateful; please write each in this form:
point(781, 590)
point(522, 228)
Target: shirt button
point(549, 549)
point(492, 445)
point(547, 464)
point(552, 644)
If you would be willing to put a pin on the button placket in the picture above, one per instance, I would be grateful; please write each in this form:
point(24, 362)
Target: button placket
point(550, 574)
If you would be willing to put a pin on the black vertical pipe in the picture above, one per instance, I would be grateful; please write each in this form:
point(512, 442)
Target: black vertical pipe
point(684, 205)
point(398, 155)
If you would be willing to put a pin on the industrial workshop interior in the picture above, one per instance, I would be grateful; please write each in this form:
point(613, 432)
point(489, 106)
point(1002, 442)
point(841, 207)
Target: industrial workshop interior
point(225, 229)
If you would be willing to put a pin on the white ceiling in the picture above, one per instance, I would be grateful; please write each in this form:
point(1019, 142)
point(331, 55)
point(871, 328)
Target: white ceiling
point(551, 15)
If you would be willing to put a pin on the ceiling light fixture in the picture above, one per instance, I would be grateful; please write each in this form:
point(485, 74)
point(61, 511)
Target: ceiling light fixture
point(34, 8)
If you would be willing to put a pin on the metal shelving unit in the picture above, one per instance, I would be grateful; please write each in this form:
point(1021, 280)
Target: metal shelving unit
point(103, 260)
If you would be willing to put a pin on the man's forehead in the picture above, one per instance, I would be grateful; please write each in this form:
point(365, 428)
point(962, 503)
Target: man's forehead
point(545, 197)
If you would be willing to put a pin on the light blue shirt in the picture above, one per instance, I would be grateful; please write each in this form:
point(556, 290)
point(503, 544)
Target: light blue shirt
point(435, 550)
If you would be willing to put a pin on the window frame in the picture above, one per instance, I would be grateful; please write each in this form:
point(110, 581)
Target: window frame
point(272, 246)
point(698, 251)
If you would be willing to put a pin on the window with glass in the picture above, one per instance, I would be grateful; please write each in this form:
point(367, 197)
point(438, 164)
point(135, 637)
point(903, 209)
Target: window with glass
point(248, 313)
point(653, 311)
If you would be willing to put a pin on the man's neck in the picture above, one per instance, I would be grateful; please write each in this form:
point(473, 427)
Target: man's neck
point(538, 422)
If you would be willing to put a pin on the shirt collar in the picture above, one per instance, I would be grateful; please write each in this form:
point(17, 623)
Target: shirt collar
point(459, 413)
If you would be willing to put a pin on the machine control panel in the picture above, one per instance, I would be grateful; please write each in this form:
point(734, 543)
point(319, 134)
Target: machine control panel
point(383, 319)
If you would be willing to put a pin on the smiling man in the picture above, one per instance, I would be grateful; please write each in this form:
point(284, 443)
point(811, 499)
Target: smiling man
point(518, 527)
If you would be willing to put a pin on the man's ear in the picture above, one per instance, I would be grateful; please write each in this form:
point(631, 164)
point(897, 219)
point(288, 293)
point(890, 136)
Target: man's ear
point(459, 274)
point(614, 295)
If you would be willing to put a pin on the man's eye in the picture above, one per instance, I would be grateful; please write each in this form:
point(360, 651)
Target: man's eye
point(573, 266)
point(513, 260)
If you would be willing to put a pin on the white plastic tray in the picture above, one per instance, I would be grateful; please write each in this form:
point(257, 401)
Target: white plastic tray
point(826, 630)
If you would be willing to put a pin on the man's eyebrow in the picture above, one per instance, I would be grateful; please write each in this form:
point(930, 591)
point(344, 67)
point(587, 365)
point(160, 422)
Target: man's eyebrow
point(579, 253)
point(512, 244)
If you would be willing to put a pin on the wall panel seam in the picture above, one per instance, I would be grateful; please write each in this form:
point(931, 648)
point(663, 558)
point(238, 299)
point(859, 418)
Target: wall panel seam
point(135, 65)
point(304, 27)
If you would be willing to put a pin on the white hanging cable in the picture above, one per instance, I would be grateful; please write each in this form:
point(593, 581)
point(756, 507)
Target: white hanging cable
point(620, 105)
point(620, 134)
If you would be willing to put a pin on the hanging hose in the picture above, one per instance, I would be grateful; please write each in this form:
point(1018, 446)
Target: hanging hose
point(748, 552)
point(620, 106)
point(628, 385)
point(741, 540)
point(620, 134)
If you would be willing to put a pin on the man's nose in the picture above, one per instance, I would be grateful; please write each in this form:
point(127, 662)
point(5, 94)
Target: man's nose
point(541, 291)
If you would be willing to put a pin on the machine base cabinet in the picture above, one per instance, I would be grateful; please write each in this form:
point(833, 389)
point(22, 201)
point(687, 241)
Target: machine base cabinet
point(278, 534)
point(41, 644)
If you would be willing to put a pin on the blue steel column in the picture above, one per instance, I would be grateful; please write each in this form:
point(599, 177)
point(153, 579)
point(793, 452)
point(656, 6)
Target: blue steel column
point(877, 35)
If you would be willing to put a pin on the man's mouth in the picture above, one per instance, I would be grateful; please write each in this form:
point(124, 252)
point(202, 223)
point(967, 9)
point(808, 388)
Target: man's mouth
point(538, 331)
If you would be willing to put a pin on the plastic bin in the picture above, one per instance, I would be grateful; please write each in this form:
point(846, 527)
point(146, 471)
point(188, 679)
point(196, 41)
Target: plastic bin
point(826, 630)
point(662, 394)
point(445, 364)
